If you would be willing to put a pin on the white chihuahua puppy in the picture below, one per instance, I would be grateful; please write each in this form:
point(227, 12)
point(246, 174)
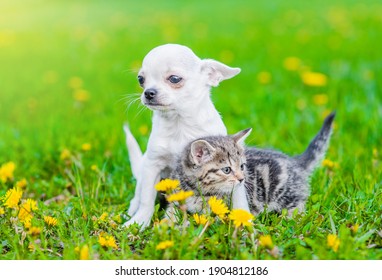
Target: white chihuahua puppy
point(176, 87)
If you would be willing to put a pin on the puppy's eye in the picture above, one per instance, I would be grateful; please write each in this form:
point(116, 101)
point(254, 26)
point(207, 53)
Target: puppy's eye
point(242, 167)
point(174, 79)
point(141, 80)
point(226, 170)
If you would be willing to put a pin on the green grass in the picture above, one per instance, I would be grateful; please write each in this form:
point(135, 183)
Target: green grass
point(44, 44)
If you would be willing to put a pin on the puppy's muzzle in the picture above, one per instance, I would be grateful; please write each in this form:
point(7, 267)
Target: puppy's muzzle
point(150, 94)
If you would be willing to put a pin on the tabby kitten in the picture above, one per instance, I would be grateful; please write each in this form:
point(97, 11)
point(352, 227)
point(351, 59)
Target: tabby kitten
point(214, 166)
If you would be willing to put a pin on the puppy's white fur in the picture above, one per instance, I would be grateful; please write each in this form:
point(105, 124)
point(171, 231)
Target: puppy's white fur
point(182, 112)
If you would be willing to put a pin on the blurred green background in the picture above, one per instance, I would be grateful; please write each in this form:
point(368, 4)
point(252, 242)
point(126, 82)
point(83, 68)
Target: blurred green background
point(67, 69)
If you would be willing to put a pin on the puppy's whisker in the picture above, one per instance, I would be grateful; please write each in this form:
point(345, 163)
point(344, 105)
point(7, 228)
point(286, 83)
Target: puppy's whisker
point(128, 105)
point(130, 99)
point(129, 96)
point(131, 102)
point(131, 70)
point(140, 111)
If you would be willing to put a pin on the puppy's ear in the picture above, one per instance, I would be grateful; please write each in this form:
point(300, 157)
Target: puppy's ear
point(201, 151)
point(217, 71)
point(241, 135)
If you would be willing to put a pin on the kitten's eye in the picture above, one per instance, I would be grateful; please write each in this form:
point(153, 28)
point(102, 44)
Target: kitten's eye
point(226, 170)
point(174, 79)
point(141, 80)
point(242, 167)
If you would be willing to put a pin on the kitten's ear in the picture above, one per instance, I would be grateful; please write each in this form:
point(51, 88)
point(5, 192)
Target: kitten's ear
point(217, 71)
point(241, 135)
point(201, 151)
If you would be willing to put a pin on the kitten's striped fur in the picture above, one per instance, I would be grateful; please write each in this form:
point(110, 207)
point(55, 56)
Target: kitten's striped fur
point(272, 179)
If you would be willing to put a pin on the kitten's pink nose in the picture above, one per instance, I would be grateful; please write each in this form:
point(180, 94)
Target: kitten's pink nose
point(240, 177)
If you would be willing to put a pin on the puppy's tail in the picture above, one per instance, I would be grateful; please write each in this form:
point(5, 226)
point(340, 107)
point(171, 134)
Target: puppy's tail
point(135, 153)
point(316, 150)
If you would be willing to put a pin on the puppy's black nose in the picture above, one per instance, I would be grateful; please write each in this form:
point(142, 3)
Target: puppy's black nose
point(150, 93)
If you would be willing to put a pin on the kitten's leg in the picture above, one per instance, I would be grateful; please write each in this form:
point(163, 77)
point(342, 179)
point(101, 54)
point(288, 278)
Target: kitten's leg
point(135, 153)
point(147, 193)
point(239, 198)
point(300, 207)
point(170, 212)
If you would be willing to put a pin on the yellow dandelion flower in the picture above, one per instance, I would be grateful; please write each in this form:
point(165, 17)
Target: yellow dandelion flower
point(144, 129)
point(103, 216)
point(81, 95)
point(6, 171)
point(12, 198)
point(34, 230)
point(102, 240)
point(375, 153)
point(65, 154)
point(314, 79)
point(264, 77)
point(241, 217)
point(31, 247)
point(94, 167)
point(329, 164)
point(21, 184)
point(2, 211)
point(86, 147)
point(27, 221)
point(218, 207)
point(50, 221)
point(167, 185)
point(320, 99)
point(106, 240)
point(266, 241)
point(200, 219)
point(164, 245)
point(75, 83)
point(84, 252)
point(333, 242)
point(26, 209)
point(292, 63)
point(355, 228)
point(180, 196)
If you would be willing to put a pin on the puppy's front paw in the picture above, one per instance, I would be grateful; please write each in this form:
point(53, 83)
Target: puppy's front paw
point(141, 218)
point(134, 205)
